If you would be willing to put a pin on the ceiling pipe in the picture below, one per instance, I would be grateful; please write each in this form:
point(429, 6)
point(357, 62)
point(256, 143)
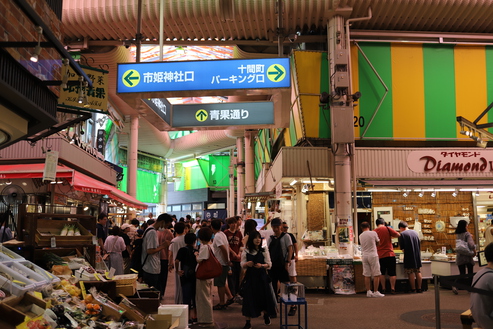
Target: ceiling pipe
point(161, 29)
point(138, 34)
point(280, 29)
point(348, 38)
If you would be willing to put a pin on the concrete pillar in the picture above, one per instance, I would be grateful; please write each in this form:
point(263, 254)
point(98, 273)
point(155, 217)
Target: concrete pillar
point(133, 145)
point(231, 192)
point(240, 176)
point(342, 132)
point(250, 161)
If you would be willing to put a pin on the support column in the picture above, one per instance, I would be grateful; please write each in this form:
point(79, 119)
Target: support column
point(231, 193)
point(342, 132)
point(163, 191)
point(133, 144)
point(249, 161)
point(240, 176)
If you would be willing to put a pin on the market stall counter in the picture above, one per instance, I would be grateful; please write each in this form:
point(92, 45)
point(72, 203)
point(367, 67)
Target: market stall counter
point(312, 272)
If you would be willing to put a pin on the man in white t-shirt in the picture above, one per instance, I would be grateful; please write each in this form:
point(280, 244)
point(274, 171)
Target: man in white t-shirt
point(220, 248)
point(371, 266)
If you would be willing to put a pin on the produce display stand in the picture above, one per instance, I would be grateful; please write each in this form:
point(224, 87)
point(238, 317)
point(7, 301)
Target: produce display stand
point(42, 232)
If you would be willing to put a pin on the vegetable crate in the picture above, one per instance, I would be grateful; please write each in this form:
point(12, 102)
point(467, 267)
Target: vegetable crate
point(47, 228)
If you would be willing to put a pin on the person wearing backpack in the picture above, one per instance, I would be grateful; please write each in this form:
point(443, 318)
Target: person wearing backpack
point(150, 259)
point(281, 251)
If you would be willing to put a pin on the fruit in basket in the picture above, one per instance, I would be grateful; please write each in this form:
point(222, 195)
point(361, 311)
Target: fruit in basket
point(93, 309)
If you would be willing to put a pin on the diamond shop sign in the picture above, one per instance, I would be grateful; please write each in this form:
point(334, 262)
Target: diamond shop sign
point(451, 161)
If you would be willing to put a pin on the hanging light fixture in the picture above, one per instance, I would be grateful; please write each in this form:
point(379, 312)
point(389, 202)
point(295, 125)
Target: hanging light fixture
point(420, 194)
point(433, 194)
point(454, 194)
point(37, 49)
point(80, 100)
point(65, 75)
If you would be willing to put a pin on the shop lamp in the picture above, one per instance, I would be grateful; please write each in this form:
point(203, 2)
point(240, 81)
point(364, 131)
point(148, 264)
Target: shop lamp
point(477, 193)
point(454, 194)
point(37, 49)
point(8, 182)
point(433, 194)
point(65, 76)
point(420, 194)
point(81, 90)
point(462, 130)
point(405, 194)
point(86, 208)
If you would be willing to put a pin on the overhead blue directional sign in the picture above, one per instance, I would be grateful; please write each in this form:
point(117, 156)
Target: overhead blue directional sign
point(223, 114)
point(204, 75)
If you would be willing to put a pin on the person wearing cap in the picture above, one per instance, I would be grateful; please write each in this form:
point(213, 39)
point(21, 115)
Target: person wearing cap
point(281, 253)
point(124, 229)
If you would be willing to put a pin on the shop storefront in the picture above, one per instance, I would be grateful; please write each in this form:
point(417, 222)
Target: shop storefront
point(46, 190)
point(431, 189)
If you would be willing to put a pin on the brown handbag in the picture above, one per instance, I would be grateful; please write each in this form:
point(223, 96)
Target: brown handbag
point(209, 268)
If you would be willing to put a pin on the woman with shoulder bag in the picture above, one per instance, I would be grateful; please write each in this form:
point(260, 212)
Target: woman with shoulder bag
point(203, 298)
point(114, 246)
point(464, 260)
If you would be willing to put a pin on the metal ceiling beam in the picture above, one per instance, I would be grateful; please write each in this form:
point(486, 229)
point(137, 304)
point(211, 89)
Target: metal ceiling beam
point(102, 43)
point(56, 128)
point(37, 20)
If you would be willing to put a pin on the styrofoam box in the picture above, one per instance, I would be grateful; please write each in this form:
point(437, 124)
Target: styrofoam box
point(11, 286)
point(177, 312)
point(41, 271)
point(37, 279)
point(7, 255)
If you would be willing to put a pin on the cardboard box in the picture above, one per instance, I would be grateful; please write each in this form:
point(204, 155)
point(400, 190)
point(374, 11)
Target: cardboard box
point(10, 317)
point(178, 312)
point(108, 287)
point(160, 321)
point(111, 310)
point(28, 304)
point(146, 300)
point(132, 313)
point(127, 290)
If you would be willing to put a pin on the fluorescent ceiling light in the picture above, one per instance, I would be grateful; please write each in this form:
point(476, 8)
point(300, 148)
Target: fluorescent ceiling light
point(383, 190)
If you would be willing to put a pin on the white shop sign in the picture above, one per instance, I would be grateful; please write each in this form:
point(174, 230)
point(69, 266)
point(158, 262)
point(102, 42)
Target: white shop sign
point(444, 161)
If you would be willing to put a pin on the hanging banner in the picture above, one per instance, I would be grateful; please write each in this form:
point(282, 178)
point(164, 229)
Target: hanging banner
point(51, 161)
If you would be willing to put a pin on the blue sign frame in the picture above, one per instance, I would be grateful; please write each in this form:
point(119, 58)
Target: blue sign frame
point(204, 75)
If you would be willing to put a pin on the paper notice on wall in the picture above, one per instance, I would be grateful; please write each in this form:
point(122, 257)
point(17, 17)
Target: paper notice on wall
point(51, 161)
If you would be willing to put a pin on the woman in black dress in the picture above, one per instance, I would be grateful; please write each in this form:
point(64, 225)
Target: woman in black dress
point(257, 292)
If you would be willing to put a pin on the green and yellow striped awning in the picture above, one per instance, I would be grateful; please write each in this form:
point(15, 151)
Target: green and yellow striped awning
point(429, 85)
